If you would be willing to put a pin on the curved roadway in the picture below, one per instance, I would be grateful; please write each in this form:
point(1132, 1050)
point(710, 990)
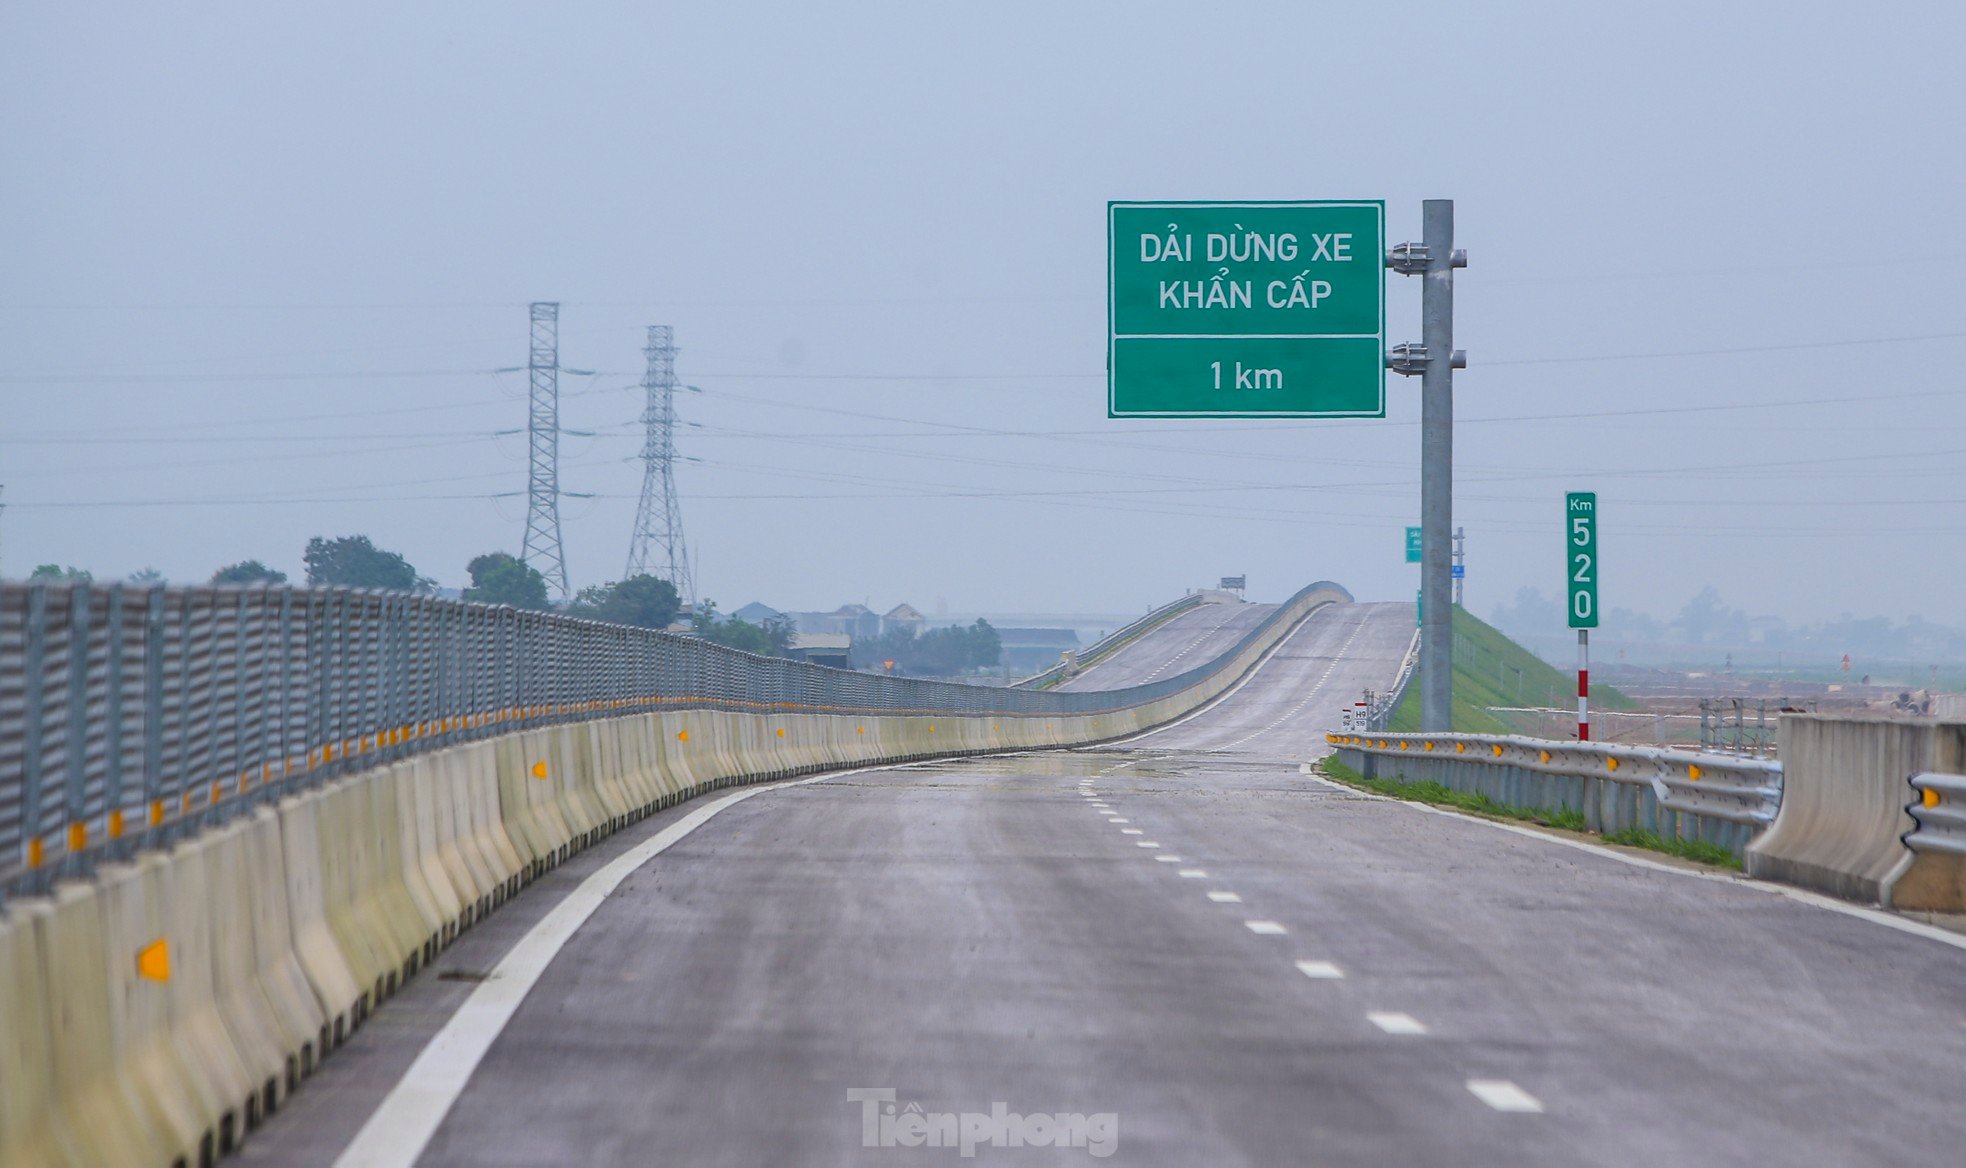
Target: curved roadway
point(1192, 638)
point(1242, 964)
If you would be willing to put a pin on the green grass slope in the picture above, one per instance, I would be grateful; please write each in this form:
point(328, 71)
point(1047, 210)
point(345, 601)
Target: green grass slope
point(1491, 670)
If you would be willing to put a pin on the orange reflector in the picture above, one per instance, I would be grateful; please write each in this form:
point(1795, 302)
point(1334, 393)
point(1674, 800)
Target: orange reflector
point(78, 836)
point(781, 733)
point(1610, 764)
point(682, 736)
point(860, 729)
point(35, 852)
point(1693, 773)
point(1931, 797)
point(154, 961)
point(116, 824)
point(539, 770)
point(1546, 755)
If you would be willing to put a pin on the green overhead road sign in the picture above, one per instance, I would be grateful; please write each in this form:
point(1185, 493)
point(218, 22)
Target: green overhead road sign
point(1254, 309)
point(1580, 548)
point(1412, 545)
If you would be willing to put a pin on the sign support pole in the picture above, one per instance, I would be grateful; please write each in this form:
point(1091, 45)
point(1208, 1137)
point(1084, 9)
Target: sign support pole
point(1437, 469)
point(1583, 685)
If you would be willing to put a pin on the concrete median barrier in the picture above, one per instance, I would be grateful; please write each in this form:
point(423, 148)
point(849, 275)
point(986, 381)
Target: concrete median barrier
point(1842, 822)
point(288, 925)
point(101, 1115)
point(31, 1134)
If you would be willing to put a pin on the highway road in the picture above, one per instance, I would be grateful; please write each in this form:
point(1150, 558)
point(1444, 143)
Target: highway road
point(1192, 638)
point(1208, 956)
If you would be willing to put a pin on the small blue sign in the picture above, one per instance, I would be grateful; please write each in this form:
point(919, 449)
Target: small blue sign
point(1460, 571)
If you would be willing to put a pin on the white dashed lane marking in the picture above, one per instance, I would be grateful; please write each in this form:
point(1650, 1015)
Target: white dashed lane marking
point(1225, 898)
point(1322, 970)
point(1265, 928)
point(1503, 1095)
point(1145, 844)
point(1193, 874)
point(1168, 859)
point(1396, 1023)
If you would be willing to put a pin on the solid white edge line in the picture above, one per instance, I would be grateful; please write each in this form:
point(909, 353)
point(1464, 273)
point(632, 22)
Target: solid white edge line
point(398, 1131)
point(1875, 916)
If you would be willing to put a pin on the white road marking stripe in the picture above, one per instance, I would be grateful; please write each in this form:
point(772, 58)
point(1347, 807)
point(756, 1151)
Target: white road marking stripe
point(1396, 1023)
point(1503, 1095)
point(410, 1114)
point(1129, 830)
point(1116, 819)
point(1145, 844)
point(1225, 898)
point(1875, 916)
point(1168, 859)
point(1192, 874)
point(1319, 969)
point(1264, 928)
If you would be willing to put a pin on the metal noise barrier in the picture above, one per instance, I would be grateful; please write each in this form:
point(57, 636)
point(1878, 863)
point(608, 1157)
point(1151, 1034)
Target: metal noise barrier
point(135, 717)
point(1724, 799)
point(1938, 807)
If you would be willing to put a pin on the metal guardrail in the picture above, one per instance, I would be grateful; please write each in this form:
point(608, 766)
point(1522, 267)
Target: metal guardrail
point(1379, 707)
point(1111, 643)
point(1723, 799)
point(134, 716)
point(1738, 790)
point(1939, 810)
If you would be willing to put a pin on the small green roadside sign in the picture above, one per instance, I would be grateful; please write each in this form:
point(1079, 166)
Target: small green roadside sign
point(1413, 545)
point(1246, 309)
point(1580, 548)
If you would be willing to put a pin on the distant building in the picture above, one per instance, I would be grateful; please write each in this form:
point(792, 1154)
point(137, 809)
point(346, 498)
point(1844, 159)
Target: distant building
point(854, 620)
point(756, 613)
point(821, 648)
point(1030, 650)
point(903, 616)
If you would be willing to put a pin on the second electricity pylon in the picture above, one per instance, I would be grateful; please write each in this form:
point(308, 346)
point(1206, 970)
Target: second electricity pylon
point(542, 542)
point(657, 544)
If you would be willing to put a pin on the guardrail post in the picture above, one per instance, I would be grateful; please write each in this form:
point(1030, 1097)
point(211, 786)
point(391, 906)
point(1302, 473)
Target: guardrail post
point(75, 728)
point(36, 633)
point(112, 777)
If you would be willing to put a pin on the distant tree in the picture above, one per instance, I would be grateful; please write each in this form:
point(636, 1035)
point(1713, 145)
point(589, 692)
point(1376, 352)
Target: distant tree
point(773, 638)
point(147, 576)
point(497, 578)
point(353, 562)
point(643, 601)
point(943, 652)
point(247, 572)
point(56, 574)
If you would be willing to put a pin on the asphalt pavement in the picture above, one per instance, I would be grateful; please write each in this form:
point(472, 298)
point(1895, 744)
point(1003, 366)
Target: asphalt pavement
point(1191, 638)
point(1180, 950)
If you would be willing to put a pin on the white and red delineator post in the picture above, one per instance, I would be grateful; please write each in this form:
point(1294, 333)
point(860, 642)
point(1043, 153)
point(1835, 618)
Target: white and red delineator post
point(1583, 685)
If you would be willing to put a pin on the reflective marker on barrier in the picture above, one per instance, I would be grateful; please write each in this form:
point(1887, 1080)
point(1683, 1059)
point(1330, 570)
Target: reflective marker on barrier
point(154, 961)
point(539, 770)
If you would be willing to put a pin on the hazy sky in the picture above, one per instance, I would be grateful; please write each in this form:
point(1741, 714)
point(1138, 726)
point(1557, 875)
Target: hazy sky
point(258, 262)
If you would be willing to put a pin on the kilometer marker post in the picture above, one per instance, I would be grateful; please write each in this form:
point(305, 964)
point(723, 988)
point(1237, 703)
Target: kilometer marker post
point(1580, 581)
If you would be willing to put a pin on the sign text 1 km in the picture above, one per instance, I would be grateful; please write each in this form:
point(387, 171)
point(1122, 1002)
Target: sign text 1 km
point(1580, 545)
point(1246, 309)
